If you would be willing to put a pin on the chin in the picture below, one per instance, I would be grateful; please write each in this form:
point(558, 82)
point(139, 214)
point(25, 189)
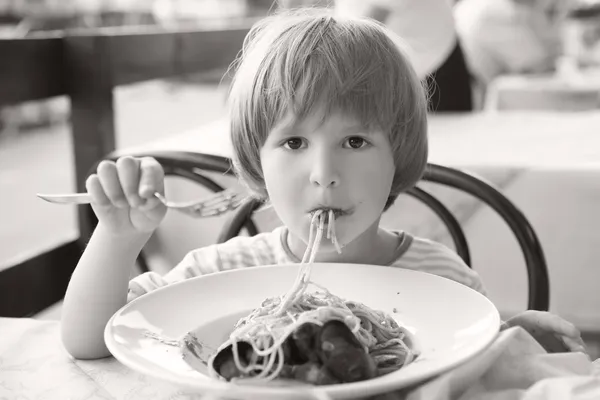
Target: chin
point(327, 245)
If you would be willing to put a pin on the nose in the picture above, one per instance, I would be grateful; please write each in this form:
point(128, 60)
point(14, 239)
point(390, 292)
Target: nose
point(324, 170)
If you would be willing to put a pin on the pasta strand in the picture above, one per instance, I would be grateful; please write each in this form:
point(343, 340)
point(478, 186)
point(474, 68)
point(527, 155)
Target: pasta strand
point(268, 326)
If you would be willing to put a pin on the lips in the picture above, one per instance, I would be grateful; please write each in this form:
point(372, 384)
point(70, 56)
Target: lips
point(338, 212)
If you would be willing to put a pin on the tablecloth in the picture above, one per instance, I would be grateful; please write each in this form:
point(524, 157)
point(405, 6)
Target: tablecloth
point(35, 365)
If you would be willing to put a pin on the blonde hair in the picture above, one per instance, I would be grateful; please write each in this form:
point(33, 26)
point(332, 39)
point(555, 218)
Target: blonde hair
point(301, 61)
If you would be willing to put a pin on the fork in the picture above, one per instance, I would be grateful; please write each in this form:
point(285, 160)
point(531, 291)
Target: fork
point(211, 206)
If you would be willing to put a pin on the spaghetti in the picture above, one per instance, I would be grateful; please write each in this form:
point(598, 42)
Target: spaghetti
point(268, 327)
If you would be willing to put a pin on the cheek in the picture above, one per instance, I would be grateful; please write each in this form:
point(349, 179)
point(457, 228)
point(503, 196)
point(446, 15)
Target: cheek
point(280, 180)
point(375, 177)
point(274, 174)
point(283, 188)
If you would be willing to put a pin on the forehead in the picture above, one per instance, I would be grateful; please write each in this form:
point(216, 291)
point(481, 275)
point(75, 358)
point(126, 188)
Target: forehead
point(318, 120)
point(326, 108)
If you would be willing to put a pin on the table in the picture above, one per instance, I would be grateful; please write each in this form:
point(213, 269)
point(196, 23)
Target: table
point(567, 90)
point(548, 164)
point(34, 365)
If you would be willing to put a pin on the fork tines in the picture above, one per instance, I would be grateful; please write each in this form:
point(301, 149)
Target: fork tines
point(218, 204)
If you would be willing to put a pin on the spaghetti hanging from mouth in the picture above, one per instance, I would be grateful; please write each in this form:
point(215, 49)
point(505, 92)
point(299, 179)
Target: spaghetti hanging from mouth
point(257, 344)
point(314, 240)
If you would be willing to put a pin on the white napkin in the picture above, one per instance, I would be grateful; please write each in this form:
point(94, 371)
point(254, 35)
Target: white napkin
point(516, 367)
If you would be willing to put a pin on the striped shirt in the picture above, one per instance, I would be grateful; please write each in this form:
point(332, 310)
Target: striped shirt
point(271, 248)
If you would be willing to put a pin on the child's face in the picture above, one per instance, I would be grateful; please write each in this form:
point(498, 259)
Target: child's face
point(329, 162)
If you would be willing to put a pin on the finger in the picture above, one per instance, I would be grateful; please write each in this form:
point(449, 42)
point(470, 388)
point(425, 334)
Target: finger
point(151, 181)
point(575, 344)
point(128, 170)
point(94, 189)
point(566, 328)
point(152, 178)
point(551, 342)
point(556, 324)
point(107, 172)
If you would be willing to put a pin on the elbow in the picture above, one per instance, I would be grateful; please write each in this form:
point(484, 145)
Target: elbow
point(80, 350)
point(84, 354)
point(82, 345)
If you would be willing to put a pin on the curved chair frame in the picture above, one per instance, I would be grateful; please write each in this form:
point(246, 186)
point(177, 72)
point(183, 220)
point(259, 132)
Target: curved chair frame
point(537, 270)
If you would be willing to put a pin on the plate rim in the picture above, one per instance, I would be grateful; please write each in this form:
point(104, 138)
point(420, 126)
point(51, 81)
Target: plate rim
point(338, 391)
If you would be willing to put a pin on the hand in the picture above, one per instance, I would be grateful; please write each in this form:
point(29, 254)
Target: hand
point(123, 195)
point(554, 333)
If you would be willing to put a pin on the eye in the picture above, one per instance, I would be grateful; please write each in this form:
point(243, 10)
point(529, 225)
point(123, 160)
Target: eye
point(293, 143)
point(356, 142)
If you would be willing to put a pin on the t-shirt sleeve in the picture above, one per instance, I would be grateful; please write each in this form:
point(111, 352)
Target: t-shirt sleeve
point(198, 262)
point(456, 269)
point(238, 252)
point(437, 259)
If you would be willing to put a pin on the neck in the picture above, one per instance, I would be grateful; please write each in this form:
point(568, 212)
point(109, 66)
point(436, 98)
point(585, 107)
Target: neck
point(374, 246)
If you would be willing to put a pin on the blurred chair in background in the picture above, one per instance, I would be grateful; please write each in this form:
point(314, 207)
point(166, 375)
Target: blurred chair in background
point(502, 37)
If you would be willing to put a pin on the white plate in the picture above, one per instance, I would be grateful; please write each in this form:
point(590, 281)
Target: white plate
point(450, 322)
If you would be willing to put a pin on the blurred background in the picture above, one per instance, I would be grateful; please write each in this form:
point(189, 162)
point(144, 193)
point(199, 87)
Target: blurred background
point(502, 40)
point(525, 57)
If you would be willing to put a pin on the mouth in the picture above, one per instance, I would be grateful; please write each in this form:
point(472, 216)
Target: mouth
point(324, 219)
point(337, 212)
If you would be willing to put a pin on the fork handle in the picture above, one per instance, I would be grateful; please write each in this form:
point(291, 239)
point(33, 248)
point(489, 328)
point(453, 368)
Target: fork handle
point(73, 198)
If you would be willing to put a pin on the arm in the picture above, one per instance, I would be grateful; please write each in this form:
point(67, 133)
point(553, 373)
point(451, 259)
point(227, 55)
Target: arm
point(98, 288)
point(123, 200)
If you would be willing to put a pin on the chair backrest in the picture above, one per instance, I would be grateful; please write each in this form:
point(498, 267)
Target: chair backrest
point(190, 165)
